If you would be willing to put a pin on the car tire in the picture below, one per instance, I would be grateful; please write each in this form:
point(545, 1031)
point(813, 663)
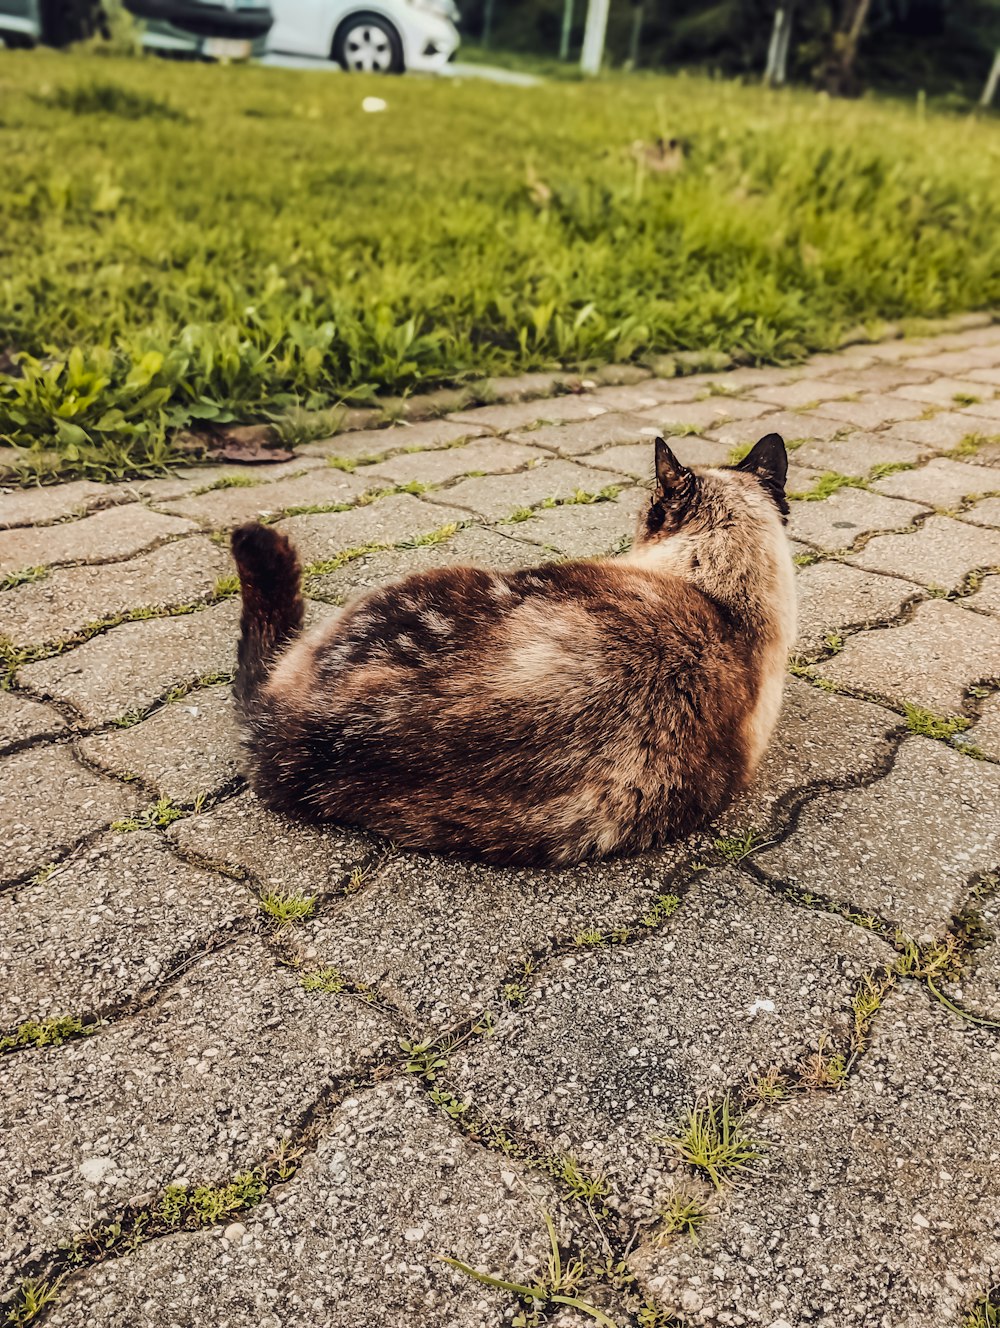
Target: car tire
point(368, 43)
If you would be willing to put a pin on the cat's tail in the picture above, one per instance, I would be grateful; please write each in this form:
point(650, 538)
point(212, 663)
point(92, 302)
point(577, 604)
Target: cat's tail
point(270, 583)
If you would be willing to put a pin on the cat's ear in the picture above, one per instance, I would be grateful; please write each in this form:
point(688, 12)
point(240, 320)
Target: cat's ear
point(672, 479)
point(768, 460)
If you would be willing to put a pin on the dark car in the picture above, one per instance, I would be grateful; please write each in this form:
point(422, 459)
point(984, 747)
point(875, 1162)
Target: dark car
point(206, 29)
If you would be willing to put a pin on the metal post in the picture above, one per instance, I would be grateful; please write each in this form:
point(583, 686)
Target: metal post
point(773, 47)
point(593, 36)
point(567, 28)
point(487, 23)
point(991, 83)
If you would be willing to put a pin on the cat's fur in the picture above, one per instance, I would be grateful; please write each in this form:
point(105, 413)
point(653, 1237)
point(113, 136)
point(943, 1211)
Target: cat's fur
point(548, 715)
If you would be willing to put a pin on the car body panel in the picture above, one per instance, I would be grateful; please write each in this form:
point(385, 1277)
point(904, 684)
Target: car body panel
point(308, 27)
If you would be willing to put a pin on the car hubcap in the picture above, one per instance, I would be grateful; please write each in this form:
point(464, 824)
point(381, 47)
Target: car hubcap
point(368, 49)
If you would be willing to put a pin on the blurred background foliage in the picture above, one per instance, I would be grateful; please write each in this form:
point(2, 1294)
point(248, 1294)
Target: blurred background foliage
point(943, 47)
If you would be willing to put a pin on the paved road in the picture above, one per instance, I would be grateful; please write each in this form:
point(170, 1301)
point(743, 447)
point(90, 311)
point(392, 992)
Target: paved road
point(210, 1116)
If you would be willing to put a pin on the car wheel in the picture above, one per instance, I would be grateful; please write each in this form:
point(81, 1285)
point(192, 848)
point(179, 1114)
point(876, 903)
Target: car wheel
point(367, 44)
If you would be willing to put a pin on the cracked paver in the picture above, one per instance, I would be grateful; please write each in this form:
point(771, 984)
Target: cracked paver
point(442, 1054)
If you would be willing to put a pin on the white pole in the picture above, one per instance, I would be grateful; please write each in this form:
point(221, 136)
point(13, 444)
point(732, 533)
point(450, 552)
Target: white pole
point(991, 83)
point(593, 36)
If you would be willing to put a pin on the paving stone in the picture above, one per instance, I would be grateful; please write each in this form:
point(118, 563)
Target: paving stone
point(704, 415)
point(228, 507)
point(387, 521)
point(612, 1044)
point(942, 431)
point(277, 853)
point(24, 507)
point(987, 598)
point(906, 846)
point(117, 532)
point(197, 1088)
point(942, 391)
point(896, 378)
point(939, 554)
point(21, 720)
point(583, 436)
point(523, 414)
point(489, 455)
point(836, 522)
point(978, 989)
point(803, 393)
point(941, 483)
point(856, 454)
point(131, 666)
point(416, 932)
point(871, 1207)
point(930, 660)
point(637, 459)
point(587, 530)
point(473, 546)
point(819, 739)
point(834, 597)
point(48, 802)
point(793, 426)
point(985, 513)
point(988, 376)
point(552, 479)
point(118, 916)
point(957, 363)
point(367, 443)
point(530, 386)
point(800, 480)
point(352, 1240)
point(985, 733)
point(187, 750)
point(871, 412)
point(70, 598)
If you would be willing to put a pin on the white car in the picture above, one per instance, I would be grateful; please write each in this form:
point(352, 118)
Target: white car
point(385, 37)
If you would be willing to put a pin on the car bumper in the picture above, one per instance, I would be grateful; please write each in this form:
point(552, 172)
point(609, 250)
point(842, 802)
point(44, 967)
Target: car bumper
point(166, 39)
point(429, 49)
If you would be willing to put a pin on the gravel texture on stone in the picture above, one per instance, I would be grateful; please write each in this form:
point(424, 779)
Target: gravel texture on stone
point(821, 740)
point(225, 507)
point(200, 1086)
point(26, 507)
point(116, 532)
point(352, 1240)
point(21, 720)
point(241, 835)
point(441, 939)
point(834, 598)
point(121, 915)
point(587, 436)
point(71, 598)
point(49, 801)
point(555, 479)
point(941, 483)
point(906, 846)
point(940, 554)
point(490, 456)
point(586, 530)
point(873, 1206)
point(930, 661)
point(189, 749)
point(398, 519)
point(613, 1044)
point(836, 522)
point(126, 669)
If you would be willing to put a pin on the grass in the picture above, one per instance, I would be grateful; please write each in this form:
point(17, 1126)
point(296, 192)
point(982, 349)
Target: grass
point(411, 248)
point(683, 1215)
point(985, 1313)
point(33, 1296)
point(929, 725)
point(48, 1033)
point(714, 1141)
point(283, 907)
point(158, 815)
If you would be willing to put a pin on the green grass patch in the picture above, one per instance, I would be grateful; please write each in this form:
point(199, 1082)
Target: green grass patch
point(24, 576)
point(828, 484)
point(714, 1140)
point(48, 1033)
point(283, 907)
point(929, 725)
point(415, 248)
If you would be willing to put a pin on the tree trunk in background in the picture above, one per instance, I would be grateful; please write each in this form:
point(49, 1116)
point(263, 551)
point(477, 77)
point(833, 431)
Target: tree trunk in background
point(989, 92)
point(777, 52)
point(593, 36)
point(487, 23)
point(636, 34)
point(837, 73)
point(567, 28)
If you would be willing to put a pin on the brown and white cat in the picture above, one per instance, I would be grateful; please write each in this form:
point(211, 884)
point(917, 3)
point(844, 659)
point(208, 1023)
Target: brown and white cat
point(563, 712)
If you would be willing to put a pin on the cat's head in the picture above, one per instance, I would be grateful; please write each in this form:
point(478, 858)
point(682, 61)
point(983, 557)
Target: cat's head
point(698, 514)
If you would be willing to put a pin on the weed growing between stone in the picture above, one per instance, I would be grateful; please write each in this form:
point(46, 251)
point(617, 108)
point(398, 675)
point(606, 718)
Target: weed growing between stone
point(714, 1140)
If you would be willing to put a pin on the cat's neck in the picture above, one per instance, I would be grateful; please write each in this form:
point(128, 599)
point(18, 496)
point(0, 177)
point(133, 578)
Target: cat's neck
point(754, 583)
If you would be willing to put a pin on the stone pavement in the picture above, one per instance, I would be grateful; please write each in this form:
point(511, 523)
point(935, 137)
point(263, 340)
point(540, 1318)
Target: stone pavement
point(254, 1074)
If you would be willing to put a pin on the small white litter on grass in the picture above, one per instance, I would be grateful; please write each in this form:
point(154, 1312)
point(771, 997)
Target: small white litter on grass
point(372, 104)
point(761, 1007)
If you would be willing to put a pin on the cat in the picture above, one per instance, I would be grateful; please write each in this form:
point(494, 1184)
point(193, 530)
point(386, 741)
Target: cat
point(544, 716)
